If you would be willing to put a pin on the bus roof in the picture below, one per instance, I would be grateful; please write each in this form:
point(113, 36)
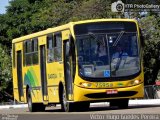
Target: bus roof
point(63, 27)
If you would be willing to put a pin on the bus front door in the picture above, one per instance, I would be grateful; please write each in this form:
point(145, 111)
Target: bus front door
point(67, 70)
point(43, 73)
point(19, 75)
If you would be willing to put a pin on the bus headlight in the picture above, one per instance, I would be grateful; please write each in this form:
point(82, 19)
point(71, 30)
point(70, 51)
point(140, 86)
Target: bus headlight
point(85, 84)
point(135, 82)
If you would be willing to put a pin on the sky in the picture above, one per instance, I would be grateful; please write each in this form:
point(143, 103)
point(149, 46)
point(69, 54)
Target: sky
point(3, 4)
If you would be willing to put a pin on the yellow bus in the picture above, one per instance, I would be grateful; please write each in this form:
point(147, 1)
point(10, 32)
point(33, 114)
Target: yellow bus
point(79, 63)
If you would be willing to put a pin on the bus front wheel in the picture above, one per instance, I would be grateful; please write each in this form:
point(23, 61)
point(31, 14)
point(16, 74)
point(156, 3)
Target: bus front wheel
point(66, 106)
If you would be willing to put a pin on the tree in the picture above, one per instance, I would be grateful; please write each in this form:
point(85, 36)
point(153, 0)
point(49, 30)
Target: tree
point(15, 23)
point(5, 71)
point(151, 31)
point(33, 1)
point(93, 9)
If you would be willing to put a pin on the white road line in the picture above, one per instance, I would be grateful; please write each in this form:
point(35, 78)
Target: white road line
point(131, 102)
point(145, 102)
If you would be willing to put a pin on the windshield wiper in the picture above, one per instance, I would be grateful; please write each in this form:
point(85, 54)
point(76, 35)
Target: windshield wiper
point(118, 38)
point(92, 35)
point(95, 38)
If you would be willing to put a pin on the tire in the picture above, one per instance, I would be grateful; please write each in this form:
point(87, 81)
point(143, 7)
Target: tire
point(65, 105)
point(33, 107)
point(123, 103)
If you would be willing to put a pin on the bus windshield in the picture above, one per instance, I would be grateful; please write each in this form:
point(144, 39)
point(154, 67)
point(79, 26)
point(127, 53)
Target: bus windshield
point(104, 54)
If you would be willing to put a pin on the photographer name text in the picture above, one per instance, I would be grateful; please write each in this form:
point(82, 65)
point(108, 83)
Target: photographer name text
point(125, 116)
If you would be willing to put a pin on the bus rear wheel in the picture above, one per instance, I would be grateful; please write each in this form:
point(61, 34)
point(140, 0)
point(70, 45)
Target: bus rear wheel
point(31, 106)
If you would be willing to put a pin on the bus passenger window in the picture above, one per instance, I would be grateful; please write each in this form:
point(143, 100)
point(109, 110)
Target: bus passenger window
point(24, 53)
point(50, 50)
point(28, 55)
point(35, 51)
point(58, 47)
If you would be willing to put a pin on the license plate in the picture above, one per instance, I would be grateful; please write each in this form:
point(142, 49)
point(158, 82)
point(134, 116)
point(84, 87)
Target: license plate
point(111, 92)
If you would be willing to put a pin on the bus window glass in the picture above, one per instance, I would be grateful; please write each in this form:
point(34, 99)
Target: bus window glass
point(35, 51)
point(50, 50)
point(28, 55)
point(28, 46)
point(24, 51)
point(58, 47)
point(107, 49)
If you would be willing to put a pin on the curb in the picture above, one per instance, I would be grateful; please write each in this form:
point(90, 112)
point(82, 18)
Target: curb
point(145, 102)
point(131, 102)
point(135, 102)
point(13, 106)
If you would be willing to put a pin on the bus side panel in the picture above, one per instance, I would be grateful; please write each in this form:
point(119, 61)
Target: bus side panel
point(14, 72)
point(15, 90)
point(32, 79)
point(55, 68)
point(54, 76)
point(17, 86)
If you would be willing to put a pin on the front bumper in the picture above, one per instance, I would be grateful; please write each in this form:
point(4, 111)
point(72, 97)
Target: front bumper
point(92, 94)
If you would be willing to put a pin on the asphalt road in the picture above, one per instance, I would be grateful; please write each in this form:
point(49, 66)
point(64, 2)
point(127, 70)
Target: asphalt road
point(150, 112)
